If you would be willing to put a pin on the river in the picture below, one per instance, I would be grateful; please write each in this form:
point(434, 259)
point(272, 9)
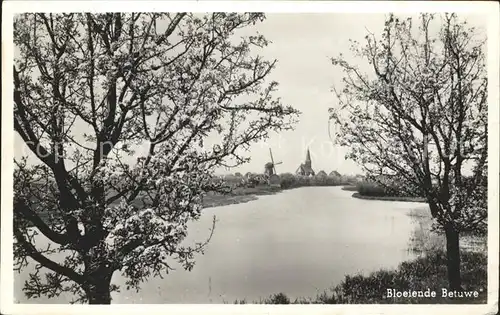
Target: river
point(299, 242)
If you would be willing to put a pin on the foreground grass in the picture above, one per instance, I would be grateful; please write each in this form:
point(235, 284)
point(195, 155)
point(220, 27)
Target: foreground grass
point(427, 272)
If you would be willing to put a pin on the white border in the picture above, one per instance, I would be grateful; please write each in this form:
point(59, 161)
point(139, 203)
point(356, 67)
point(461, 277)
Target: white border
point(489, 9)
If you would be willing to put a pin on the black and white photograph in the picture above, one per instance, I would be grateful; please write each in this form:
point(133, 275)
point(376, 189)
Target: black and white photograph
point(222, 153)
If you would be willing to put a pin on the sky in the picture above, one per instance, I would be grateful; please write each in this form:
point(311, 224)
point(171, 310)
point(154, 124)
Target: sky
point(303, 45)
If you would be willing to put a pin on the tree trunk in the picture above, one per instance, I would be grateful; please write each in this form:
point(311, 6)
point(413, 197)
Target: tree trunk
point(99, 291)
point(453, 258)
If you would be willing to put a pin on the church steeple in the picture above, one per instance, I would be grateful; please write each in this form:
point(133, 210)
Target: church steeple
point(308, 159)
point(306, 169)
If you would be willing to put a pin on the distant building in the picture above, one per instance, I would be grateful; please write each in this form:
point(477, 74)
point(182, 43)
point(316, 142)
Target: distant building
point(305, 169)
point(335, 173)
point(269, 169)
point(322, 174)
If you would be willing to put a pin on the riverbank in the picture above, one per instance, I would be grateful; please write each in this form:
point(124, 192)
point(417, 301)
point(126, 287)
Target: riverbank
point(350, 188)
point(238, 195)
point(388, 198)
point(246, 194)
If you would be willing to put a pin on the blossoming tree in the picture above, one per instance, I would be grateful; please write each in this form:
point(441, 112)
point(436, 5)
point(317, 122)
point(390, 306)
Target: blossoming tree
point(421, 119)
point(92, 90)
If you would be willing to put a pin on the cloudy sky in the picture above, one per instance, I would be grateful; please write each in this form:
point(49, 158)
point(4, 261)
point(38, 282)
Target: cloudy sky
point(303, 45)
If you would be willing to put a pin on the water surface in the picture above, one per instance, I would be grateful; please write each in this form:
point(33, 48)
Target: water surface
point(299, 242)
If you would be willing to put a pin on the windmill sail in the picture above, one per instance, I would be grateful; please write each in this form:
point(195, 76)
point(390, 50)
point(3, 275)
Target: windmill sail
point(272, 160)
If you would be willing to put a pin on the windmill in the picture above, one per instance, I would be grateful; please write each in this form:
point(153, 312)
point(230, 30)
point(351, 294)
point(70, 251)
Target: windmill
point(270, 167)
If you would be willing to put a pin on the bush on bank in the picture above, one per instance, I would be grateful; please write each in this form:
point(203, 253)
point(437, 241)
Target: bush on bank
point(289, 180)
point(390, 189)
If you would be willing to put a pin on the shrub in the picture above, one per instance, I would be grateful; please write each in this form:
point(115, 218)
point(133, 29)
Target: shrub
point(349, 180)
point(279, 298)
point(371, 189)
point(387, 188)
point(288, 180)
point(231, 180)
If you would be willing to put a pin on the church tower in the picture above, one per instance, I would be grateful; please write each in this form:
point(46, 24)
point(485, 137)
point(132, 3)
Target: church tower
point(308, 160)
point(305, 169)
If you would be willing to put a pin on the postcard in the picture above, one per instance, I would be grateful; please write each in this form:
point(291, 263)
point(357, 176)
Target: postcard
point(253, 157)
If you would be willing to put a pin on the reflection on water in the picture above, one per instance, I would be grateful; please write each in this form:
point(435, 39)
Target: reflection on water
point(299, 242)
